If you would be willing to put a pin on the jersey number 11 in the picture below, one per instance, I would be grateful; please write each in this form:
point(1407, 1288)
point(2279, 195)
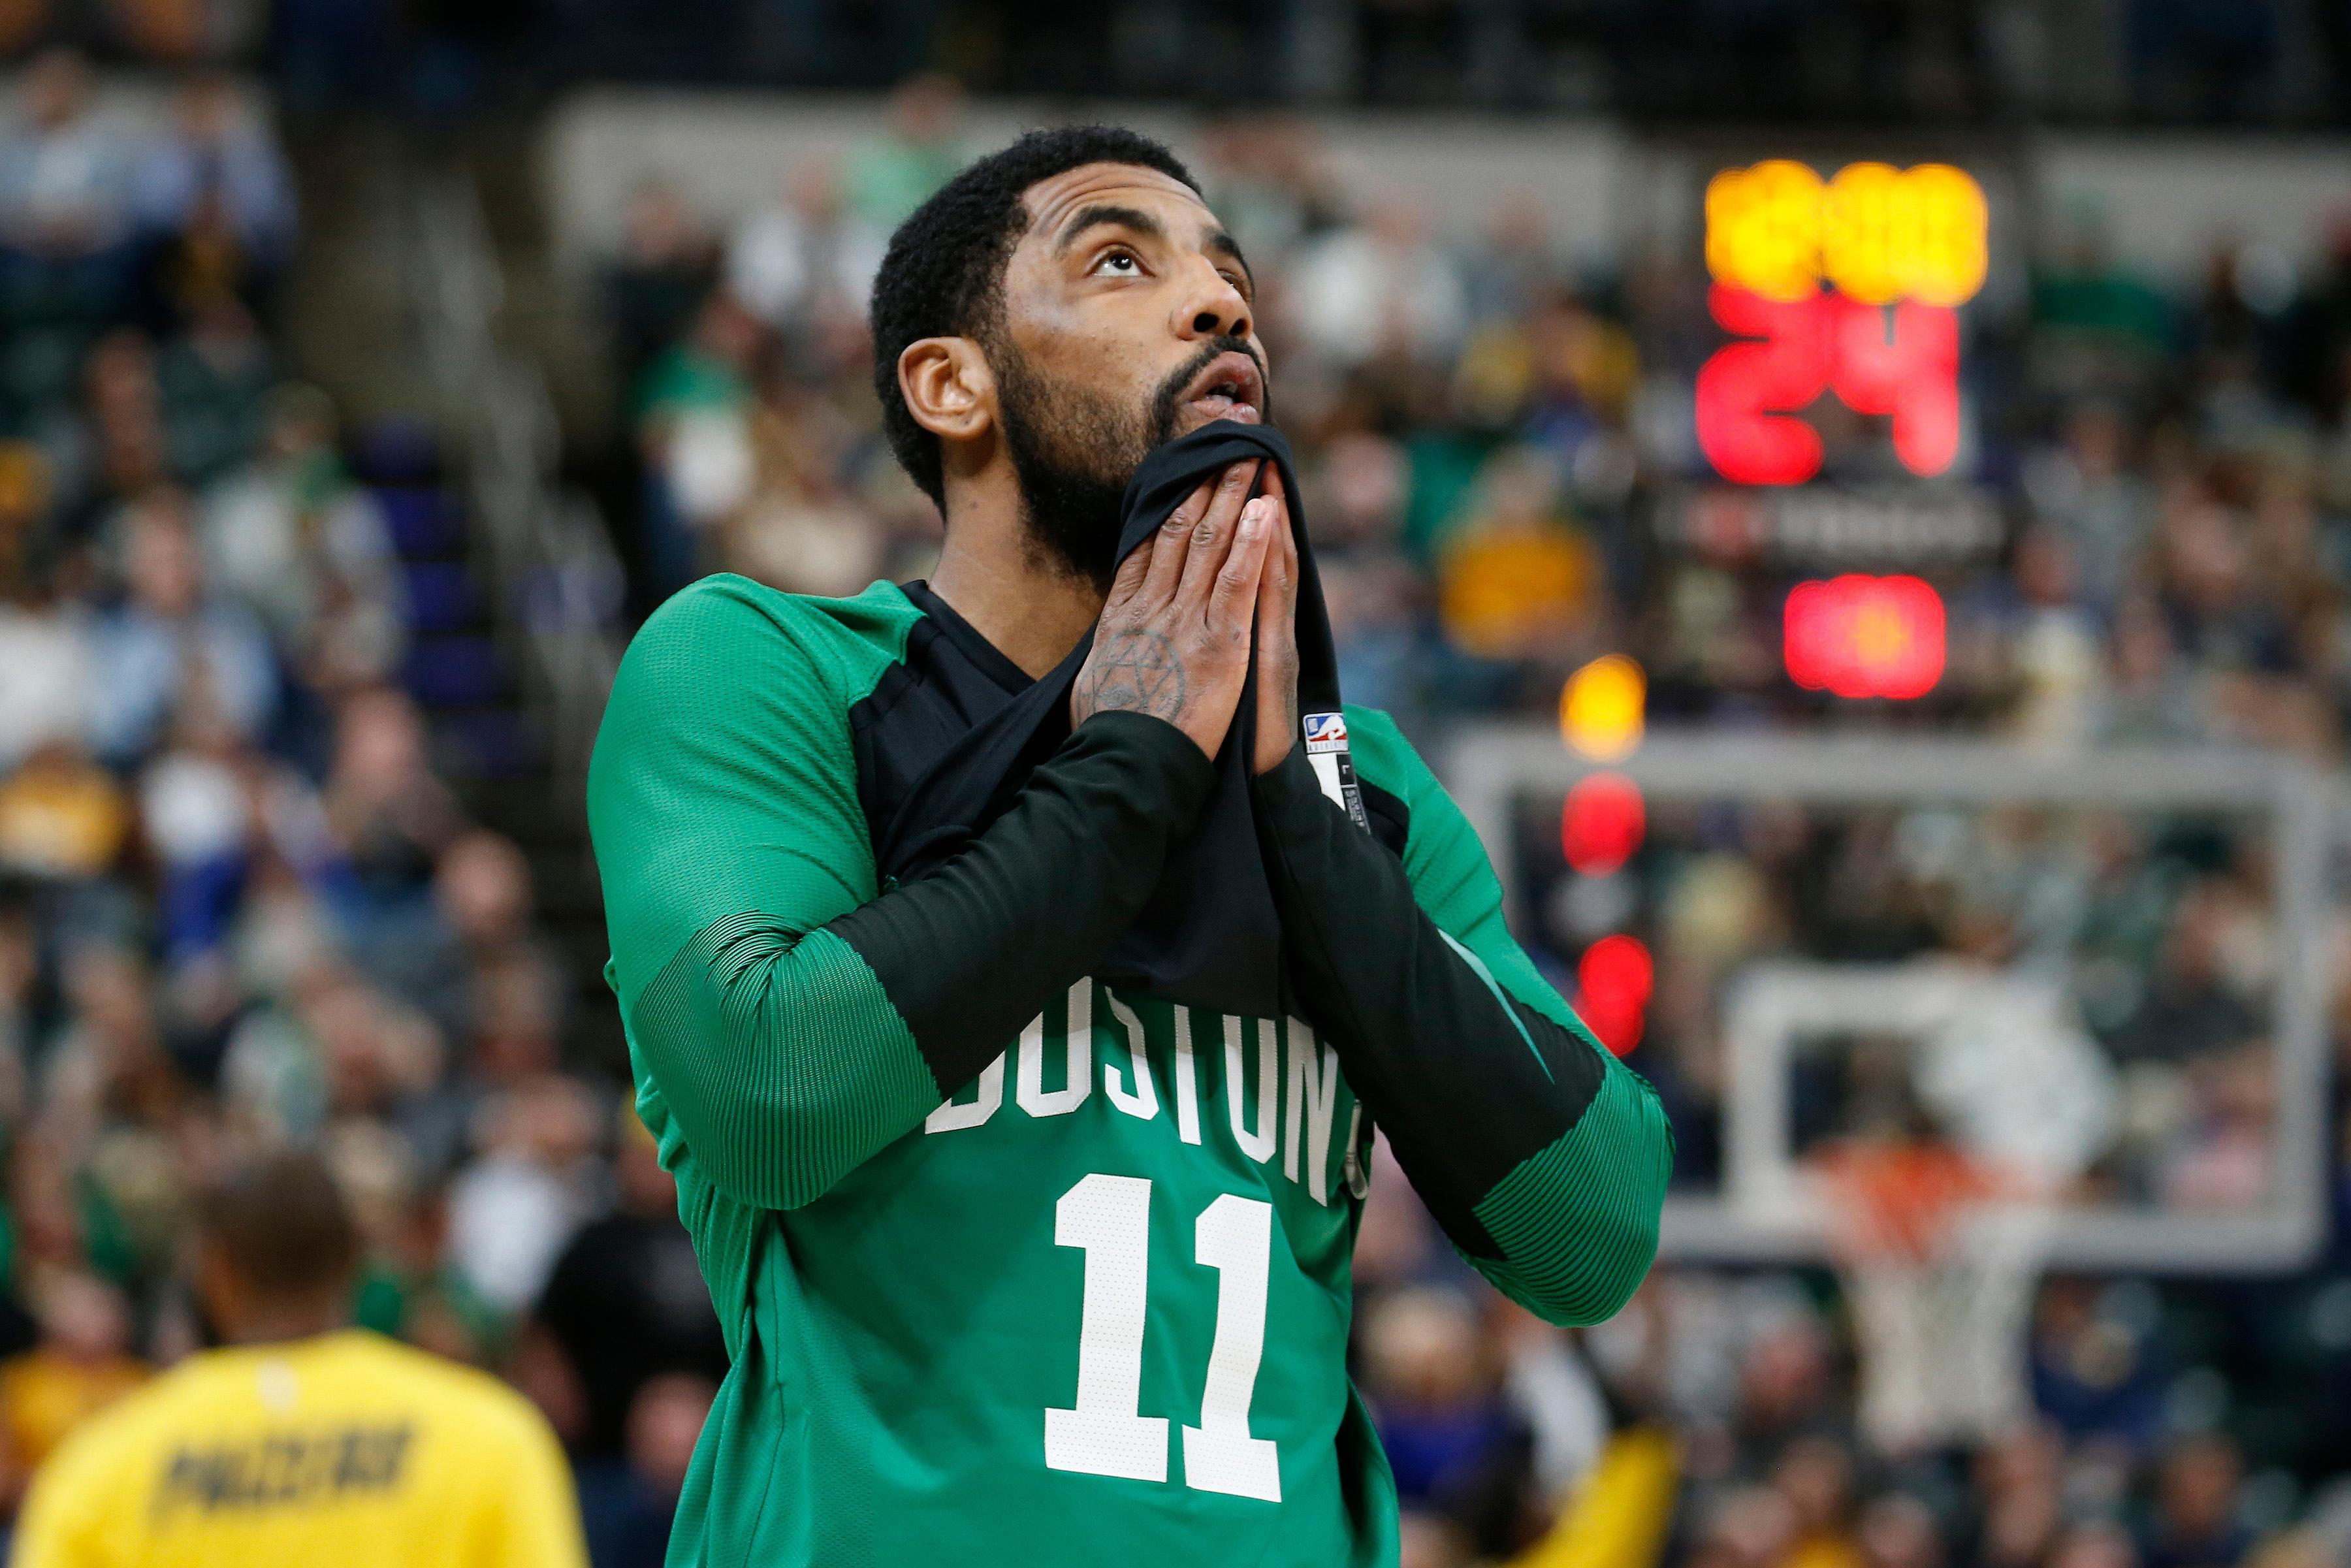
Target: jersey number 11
point(1105, 1433)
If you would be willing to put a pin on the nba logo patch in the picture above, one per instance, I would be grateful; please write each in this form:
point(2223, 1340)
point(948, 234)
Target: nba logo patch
point(1326, 750)
point(1325, 732)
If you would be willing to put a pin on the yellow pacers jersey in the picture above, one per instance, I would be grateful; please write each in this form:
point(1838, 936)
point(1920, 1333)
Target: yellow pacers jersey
point(345, 1450)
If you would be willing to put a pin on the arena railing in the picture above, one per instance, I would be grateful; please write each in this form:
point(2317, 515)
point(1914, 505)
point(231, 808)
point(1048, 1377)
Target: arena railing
point(558, 584)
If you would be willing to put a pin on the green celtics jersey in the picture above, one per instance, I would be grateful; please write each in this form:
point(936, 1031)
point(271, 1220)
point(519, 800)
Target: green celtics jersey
point(1088, 1300)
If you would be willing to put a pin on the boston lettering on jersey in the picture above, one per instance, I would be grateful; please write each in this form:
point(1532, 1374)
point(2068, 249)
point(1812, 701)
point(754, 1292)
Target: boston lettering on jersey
point(281, 1469)
point(1280, 1082)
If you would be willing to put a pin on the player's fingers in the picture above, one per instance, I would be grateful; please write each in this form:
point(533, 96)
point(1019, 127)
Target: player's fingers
point(1212, 536)
point(1277, 594)
point(1133, 573)
point(1234, 596)
point(1171, 545)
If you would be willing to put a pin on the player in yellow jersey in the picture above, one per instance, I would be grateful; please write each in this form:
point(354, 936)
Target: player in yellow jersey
point(304, 1441)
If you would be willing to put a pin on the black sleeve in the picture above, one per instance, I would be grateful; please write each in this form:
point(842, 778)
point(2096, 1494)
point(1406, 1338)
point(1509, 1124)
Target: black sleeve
point(1543, 1157)
point(970, 953)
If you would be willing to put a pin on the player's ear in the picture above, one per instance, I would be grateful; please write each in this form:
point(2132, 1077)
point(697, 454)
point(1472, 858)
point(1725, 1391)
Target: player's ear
point(948, 387)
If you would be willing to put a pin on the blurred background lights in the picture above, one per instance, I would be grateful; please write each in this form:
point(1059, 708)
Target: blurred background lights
point(1874, 232)
point(1602, 708)
point(1602, 823)
point(1613, 982)
point(1860, 636)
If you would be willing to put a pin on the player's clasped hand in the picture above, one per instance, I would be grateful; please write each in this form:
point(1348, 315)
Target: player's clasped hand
point(1174, 638)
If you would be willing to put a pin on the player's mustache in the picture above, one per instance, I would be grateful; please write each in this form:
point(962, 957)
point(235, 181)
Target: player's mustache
point(1170, 392)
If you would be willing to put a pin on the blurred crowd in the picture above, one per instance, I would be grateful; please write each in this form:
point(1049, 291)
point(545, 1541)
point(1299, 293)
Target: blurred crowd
point(1714, 1424)
point(1497, 441)
point(239, 903)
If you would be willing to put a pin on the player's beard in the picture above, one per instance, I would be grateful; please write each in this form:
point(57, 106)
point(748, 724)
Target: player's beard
point(1073, 451)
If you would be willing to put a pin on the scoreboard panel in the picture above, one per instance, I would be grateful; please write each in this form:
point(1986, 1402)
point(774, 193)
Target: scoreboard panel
point(1847, 286)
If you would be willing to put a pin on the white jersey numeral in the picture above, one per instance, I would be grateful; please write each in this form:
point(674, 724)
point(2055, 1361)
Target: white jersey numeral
point(1234, 1236)
point(1104, 1433)
point(1109, 1216)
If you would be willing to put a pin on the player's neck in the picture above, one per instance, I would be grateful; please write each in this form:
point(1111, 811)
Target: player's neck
point(284, 1325)
point(1030, 610)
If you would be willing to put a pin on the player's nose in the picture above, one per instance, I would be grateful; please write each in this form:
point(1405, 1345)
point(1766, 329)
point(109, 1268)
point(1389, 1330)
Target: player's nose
point(1211, 306)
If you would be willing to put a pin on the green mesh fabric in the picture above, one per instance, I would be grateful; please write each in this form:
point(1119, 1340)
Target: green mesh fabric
point(1578, 1222)
point(821, 1076)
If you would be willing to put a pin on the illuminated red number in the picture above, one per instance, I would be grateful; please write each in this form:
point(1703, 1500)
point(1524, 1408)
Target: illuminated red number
point(1748, 392)
point(1911, 372)
point(1902, 363)
point(1859, 636)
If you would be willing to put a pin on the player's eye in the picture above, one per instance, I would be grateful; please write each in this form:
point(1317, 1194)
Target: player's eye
point(1119, 264)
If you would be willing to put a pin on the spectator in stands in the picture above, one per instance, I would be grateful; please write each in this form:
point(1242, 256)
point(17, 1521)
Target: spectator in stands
point(389, 815)
point(112, 448)
point(1461, 1454)
point(1384, 272)
point(47, 673)
point(529, 1186)
point(2051, 643)
point(801, 528)
point(628, 1507)
point(1511, 268)
point(625, 1303)
point(1747, 1526)
point(65, 177)
point(2196, 1005)
point(807, 260)
point(653, 287)
point(333, 1047)
point(1900, 1530)
point(81, 1365)
point(1784, 1377)
point(61, 816)
point(1517, 579)
point(173, 647)
point(1814, 1474)
point(693, 427)
point(115, 1113)
point(1376, 595)
point(478, 965)
point(197, 812)
point(2084, 487)
point(214, 381)
point(919, 149)
point(1267, 174)
point(292, 536)
point(218, 157)
point(2151, 690)
point(2195, 1504)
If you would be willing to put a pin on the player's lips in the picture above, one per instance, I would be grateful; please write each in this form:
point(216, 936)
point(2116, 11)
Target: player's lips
point(1228, 387)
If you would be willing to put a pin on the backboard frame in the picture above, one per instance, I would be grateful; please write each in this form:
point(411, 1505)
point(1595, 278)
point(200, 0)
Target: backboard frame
point(1491, 767)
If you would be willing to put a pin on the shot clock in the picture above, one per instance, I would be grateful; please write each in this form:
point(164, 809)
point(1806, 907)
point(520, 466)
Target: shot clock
point(1847, 286)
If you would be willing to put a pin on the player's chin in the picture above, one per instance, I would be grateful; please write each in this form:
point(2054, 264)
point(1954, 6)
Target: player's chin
point(1199, 411)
